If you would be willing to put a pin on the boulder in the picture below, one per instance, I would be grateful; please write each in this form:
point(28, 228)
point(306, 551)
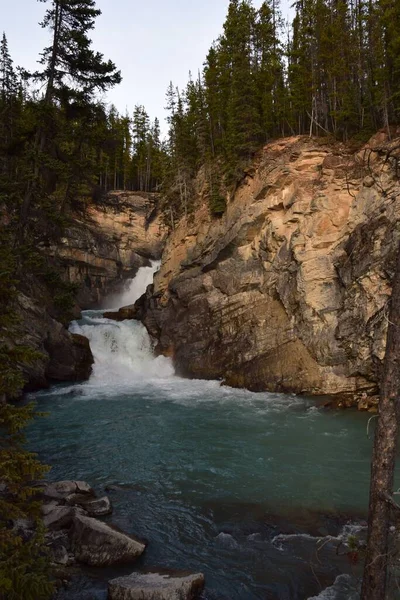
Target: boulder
point(98, 544)
point(83, 357)
point(24, 528)
point(49, 507)
point(156, 586)
point(70, 355)
point(60, 490)
point(97, 507)
point(60, 517)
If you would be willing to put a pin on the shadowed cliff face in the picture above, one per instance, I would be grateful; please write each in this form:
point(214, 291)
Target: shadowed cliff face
point(99, 251)
point(109, 244)
point(288, 290)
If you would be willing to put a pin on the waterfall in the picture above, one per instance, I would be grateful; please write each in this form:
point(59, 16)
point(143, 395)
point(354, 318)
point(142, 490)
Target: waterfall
point(134, 289)
point(122, 350)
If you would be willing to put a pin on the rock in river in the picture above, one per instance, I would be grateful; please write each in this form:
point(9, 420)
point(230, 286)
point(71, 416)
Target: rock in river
point(97, 544)
point(156, 586)
point(95, 507)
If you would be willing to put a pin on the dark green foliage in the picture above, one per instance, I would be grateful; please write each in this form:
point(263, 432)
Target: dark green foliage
point(72, 70)
point(24, 565)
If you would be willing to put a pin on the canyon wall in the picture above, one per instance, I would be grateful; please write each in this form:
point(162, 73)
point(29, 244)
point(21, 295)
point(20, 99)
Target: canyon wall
point(289, 290)
point(101, 248)
point(108, 243)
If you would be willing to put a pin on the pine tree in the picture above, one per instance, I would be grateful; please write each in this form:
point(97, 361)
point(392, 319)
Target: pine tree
point(72, 73)
point(24, 564)
point(269, 70)
point(243, 119)
point(9, 105)
point(8, 78)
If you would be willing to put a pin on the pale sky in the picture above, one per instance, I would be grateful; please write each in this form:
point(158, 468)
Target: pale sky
point(151, 41)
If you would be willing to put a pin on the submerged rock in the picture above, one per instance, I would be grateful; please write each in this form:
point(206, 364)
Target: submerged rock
point(173, 585)
point(97, 544)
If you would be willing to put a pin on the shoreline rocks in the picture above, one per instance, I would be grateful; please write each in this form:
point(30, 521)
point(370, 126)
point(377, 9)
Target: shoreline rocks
point(97, 544)
point(173, 585)
point(75, 538)
point(70, 510)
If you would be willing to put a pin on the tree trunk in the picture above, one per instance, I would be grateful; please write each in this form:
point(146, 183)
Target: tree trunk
point(384, 455)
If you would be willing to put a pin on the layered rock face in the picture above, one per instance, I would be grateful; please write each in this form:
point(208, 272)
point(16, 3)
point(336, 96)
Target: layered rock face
point(288, 291)
point(109, 243)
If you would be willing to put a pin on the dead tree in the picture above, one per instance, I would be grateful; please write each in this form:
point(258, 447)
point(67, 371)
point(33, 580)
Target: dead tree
point(384, 455)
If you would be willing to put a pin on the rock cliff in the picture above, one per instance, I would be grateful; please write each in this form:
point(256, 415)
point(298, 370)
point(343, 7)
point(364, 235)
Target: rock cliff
point(108, 243)
point(288, 291)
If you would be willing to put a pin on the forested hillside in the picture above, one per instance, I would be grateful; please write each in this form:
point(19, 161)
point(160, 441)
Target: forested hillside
point(334, 71)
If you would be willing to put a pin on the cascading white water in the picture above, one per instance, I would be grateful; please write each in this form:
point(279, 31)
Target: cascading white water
point(122, 350)
point(134, 288)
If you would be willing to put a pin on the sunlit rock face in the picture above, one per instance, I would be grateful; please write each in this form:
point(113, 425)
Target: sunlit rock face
point(109, 243)
point(288, 291)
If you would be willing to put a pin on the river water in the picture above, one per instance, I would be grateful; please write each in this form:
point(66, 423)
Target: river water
point(255, 490)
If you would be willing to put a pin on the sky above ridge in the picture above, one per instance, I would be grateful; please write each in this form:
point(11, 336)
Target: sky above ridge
point(152, 42)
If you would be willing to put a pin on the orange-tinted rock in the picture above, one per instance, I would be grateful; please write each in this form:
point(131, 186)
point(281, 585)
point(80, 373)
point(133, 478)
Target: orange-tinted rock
point(287, 290)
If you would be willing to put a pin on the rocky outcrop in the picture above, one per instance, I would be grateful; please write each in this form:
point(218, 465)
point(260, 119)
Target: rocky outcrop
point(59, 355)
point(288, 291)
point(97, 544)
point(108, 243)
point(172, 585)
point(123, 314)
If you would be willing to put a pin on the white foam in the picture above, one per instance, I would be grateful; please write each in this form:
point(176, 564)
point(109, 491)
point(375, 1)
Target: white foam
point(344, 588)
point(122, 351)
point(227, 541)
point(134, 288)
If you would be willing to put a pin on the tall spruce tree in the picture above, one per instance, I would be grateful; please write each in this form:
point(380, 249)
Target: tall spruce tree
point(72, 74)
point(237, 48)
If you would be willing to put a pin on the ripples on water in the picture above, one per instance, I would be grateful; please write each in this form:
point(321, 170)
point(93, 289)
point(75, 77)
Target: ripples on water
point(251, 489)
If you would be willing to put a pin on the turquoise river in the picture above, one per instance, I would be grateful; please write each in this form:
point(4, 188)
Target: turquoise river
point(258, 491)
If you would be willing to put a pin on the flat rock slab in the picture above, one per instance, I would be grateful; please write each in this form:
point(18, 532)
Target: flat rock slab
point(156, 586)
point(59, 490)
point(97, 544)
